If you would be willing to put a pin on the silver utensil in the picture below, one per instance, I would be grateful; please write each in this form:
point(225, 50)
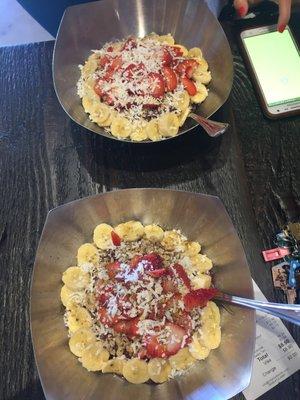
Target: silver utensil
point(289, 312)
point(212, 128)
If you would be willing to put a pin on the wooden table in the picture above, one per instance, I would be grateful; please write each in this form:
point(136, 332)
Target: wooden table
point(47, 160)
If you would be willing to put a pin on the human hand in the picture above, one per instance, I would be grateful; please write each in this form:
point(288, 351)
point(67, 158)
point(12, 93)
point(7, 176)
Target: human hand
point(242, 7)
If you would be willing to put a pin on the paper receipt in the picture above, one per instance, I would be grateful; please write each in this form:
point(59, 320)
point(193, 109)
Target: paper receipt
point(277, 355)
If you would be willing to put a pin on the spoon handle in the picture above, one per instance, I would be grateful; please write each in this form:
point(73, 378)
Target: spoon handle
point(289, 312)
point(212, 128)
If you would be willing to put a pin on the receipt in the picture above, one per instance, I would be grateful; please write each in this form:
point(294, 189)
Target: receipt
point(276, 356)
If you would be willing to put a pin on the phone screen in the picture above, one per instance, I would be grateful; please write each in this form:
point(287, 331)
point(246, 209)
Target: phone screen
point(276, 61)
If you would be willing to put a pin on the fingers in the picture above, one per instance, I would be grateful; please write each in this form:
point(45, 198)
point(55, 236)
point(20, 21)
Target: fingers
point(284, 14)
point(241, 7)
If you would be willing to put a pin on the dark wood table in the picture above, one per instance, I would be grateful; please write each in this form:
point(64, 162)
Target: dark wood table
point(47, 160)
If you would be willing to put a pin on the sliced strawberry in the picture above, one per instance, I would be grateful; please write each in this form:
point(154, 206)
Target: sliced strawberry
point(104, 60)
point(104, 294)
point(98, 87)
point(142, 354)
point(169, 285)
point(185, 65)
point(150, 106)
point(179, 271)
point(157, 273)
point(175, 338)
point(166, 57)
point(154, 261)
point(184, 320)
point(129, 44)
point(154, 348)
point(116, 63)
point(198, 298)
point(110, 49)
point(134, 262)
point(113, 269)
point(132, 69)
point(157, 84)
point(189, 86)
point(115, 238)
point(176, 51)
point(125, 306)
point(108, 99)
point(129, 328)
point(106, 318)
point(170, 78)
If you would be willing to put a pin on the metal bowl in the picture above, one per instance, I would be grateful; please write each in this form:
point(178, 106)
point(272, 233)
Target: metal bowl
point(223, 374)
point(89, 26)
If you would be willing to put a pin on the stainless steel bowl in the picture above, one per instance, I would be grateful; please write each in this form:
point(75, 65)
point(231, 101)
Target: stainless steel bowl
point(226, 371)
point(89, 26)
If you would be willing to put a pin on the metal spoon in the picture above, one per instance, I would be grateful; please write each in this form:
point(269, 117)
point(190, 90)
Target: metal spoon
point(289, 312)
point(212, 128)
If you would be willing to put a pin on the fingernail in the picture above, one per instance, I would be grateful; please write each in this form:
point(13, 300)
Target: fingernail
point(281, 28)
point(242, 11)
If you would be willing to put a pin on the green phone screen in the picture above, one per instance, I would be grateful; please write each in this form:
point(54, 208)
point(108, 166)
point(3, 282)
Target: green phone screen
point(276, 61)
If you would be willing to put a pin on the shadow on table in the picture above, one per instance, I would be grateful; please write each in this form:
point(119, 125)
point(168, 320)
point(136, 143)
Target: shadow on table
point(173, 161)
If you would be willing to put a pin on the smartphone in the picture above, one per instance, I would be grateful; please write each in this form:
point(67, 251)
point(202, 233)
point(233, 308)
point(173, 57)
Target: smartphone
point(273, 60)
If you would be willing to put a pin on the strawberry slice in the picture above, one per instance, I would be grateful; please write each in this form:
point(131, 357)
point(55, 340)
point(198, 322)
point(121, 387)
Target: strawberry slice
point(184, 320)
point(175, 339)
point(157, 84)
point(98, 87)
point(135, 260)
point(129, 44)
point(170, 78)
point(198, 298)
point(115, 238)
point(116, 63)
point(186, 65)
point(169, 285)
point(129, 328)
point(166, 57)
point(104, 60)
point(179, 271)
point(113, 269)
point(176, 51)
point(154, 348)
point(154, 261)
point(157, 273)
point(106, 318)
point(189, 86)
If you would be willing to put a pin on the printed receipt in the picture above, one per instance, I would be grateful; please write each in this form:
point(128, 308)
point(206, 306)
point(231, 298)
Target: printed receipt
point(276, 356)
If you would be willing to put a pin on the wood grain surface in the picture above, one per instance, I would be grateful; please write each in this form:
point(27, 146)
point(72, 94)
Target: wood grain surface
point(47, 160)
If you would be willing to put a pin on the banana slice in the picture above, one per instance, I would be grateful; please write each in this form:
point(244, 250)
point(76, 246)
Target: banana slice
point(192, 248)
point(101, 114)
point(168, 39)
point(115, 365)
point(94, 357)
point(130, 231)
point(75, 279)
point(200, 281)
point(159, 370)
point(78, 317)
point(154, 233)
point(201, 263)
point(168, 124)
point(80, 340)
point(211, 314)
point(183, 116)
point(87, 253)
point(90, 66)
point(181, 360)
point(152, 132)
point(65, 295)
point(173, 241)
point(102, 236)
point(182, 100)
point(139, 134)
point(202, 76)
point(121, 127)
point(197, 350)
point(210, 335)
point(202, 64)
point(136, 371)
point(195, 52)
point(183, 49)
point(201, 94)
